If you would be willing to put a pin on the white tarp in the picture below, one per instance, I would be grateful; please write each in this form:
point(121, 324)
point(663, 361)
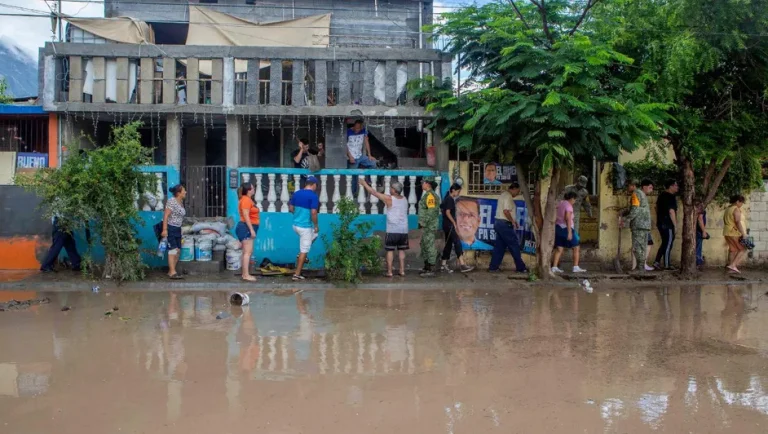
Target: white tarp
point(121, 29)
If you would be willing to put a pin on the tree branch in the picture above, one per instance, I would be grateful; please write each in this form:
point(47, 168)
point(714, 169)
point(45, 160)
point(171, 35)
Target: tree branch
point(716, 182)
point(708, 175)
point(590, 5)
point(525, 23)
point(545, 24)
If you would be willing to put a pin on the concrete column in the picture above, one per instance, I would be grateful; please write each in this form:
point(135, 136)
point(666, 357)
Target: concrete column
point(335, 145)
point(442, 150)
point(173, 141)
point(228, 83)
point(234, 141)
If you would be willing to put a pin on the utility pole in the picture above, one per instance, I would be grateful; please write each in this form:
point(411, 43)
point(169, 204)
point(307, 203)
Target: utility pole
point(58, 9)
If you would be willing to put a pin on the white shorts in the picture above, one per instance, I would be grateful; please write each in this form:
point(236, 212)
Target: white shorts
point(306, 237)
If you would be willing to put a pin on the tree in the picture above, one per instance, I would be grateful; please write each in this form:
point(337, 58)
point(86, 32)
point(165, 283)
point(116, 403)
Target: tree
point(98, 188)
point(711, 60)
point(5, 98)
point(548, 93)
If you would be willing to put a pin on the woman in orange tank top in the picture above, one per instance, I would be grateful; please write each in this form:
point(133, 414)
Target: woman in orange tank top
point(248, 226)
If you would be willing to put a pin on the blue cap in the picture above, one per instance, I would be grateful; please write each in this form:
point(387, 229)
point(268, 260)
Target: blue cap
point(311, 179)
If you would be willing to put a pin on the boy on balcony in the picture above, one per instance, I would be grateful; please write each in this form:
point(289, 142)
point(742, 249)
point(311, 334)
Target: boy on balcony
point(359, 148)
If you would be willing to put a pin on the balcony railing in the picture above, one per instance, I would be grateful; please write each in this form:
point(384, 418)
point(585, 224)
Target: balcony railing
point(234, 79)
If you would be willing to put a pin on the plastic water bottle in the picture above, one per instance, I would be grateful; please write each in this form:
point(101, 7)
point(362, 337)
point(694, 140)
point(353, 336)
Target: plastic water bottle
point(162, 247)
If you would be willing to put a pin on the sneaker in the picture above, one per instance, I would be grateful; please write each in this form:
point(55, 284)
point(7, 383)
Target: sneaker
point(47, 270)
point(649, 268)
point(466, 268)
point(578, 269)
point(427, 273)
point(657, 266)
point(494, 270)
point(297, 277)
point(556, 270)
point(446, 269)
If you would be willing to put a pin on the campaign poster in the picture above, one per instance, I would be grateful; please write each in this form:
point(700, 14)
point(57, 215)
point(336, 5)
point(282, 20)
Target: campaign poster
point(497, 174)
point(475, 224)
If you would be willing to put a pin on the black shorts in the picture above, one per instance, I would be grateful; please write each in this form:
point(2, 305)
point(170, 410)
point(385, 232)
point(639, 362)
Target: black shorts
point(650, 239)
point(174, 237)
point(396, 242)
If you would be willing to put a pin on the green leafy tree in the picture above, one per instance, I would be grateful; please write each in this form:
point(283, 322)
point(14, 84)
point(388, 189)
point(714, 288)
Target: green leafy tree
point(5, 98)
point(711, 60)
point(547, 93)
point(98, 188)
point(349, 251)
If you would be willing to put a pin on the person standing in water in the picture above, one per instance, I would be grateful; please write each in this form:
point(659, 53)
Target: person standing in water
point(396, 237)
point(248, 227)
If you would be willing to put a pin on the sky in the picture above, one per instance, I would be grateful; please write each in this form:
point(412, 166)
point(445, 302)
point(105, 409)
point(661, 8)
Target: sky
point(30, 33)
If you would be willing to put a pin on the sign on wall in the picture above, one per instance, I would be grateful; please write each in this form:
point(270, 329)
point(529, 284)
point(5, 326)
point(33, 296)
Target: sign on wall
point(497, 174)
point(31, 160)
point(475, 219)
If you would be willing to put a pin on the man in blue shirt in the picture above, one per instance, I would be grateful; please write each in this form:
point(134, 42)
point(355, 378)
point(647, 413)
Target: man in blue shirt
point(359, 148)
point(304, 205)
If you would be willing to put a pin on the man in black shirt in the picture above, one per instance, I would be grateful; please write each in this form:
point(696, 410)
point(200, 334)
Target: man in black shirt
point(448, 210)
point(299, 156)
point(666, 222)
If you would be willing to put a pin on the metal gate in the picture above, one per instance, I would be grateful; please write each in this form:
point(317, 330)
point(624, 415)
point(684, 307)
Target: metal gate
point(206, 190)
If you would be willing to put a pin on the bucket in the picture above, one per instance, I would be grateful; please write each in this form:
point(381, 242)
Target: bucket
point(239, 299)
point(187, 249)
point(234, 260)
point(203, 251)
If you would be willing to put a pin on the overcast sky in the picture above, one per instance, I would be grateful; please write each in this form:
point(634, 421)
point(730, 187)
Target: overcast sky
point(30, 33)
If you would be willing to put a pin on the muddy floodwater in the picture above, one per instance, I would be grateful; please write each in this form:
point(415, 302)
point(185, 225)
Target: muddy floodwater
point(665, 359)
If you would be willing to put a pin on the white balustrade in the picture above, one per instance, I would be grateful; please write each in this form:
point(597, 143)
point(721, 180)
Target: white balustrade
point(296, 183)
point(348, 193)
point(271, 196)
point(323, 194)
point(136, 198)
point(147, 198)
point(387, 184)
point(159, 193)
point(361, 198)
point(259, 192)
point(246, 177)
point(284, 196)
point(439, 190)
point(336, 192)
point(412, 196)
point(374, 199)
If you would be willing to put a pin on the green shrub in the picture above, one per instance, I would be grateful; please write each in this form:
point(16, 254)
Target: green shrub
point(349, 251)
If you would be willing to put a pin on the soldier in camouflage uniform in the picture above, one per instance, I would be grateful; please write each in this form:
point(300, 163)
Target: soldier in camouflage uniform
point(639, 218)
point(429, 215)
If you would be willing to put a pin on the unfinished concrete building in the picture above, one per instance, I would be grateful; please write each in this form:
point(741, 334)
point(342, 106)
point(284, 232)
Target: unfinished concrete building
point(230, 84)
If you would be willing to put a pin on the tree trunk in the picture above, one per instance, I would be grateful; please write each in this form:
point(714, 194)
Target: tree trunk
point(546, 239)
point(688, 234)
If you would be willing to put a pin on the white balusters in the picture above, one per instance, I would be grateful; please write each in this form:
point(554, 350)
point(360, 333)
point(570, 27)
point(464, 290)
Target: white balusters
point(246, 177)
point(323, 194)
point(159, 194)
point(374, 199)
point(348, 193)
point(387, 183)
point(336, 192)
point(259, 192)
point(148, 198)
point(284, 193)
point(296, 183)
point(412, 196)
point(361, 198)
point(439, 189)
point(136, 197)
point(271, 196)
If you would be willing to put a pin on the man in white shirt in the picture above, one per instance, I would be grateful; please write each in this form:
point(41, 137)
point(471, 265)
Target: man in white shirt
point(506, 227)
point(359, 148)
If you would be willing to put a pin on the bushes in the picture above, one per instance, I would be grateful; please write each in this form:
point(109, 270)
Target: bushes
point(349, 252)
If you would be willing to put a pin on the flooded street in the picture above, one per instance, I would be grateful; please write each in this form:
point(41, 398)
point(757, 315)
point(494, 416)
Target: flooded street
point(690, 359)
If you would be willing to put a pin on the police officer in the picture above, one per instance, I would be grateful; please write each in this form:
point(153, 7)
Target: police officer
point(640, 220)
point(429, 215)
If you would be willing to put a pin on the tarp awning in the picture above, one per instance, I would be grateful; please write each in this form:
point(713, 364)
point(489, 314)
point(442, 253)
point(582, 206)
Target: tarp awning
point(209, 27)
point(122, 29)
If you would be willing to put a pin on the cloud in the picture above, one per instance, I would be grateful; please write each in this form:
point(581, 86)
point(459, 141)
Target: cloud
point(30, 33)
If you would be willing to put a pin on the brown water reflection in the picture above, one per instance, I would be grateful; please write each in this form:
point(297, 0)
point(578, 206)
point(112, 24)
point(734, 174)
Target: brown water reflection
point(559, 360)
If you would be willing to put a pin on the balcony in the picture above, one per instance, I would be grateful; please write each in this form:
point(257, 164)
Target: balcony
point(270, 81)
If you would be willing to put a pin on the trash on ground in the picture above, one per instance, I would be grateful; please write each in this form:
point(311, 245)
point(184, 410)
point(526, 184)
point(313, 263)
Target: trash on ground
point(65, 308)
point(95, 288)
point(115, 309)
point(239, 299)
point(587, 286)
point(108, 313)
point(223, 315)
point(17, 305)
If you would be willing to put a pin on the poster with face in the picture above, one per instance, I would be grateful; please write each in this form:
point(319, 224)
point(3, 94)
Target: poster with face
point(497, 174)
point(475, 218)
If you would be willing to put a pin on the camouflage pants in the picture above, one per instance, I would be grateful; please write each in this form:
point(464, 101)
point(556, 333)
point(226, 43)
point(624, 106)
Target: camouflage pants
point(640, 246)
point(428, 247)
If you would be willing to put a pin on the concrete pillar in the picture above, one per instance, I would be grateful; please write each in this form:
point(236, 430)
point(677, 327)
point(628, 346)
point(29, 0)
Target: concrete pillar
point(335, 144)
point(228, 83)
point(173, 141)
point(234, 141)
point(442, 150)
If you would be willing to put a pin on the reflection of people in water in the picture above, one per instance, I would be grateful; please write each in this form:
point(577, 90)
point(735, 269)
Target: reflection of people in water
point(491, 173)
point(467, 222)
point(732, 316)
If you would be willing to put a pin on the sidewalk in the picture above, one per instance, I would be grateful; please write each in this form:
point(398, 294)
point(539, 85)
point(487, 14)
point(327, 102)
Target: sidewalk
point(476, 280)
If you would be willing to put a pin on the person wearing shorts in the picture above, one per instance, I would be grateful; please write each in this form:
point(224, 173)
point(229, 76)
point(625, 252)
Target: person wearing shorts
point(396, 237)
point(247, 227)
point(734, 233)
point(173, 218)
point(304, 206)
point(566, 236)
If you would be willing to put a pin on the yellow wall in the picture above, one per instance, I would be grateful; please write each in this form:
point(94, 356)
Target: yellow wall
point(641, 154)
point(715, 249)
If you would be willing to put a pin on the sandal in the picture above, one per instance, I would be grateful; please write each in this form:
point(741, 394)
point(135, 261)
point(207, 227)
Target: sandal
point(176, 277)
point(389, 275)
point(402, 273)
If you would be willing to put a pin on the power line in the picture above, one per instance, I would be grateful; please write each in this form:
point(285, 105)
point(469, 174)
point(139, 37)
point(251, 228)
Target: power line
point(247, 6)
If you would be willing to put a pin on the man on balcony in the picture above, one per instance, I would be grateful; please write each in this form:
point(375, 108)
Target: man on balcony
point(359, 148)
